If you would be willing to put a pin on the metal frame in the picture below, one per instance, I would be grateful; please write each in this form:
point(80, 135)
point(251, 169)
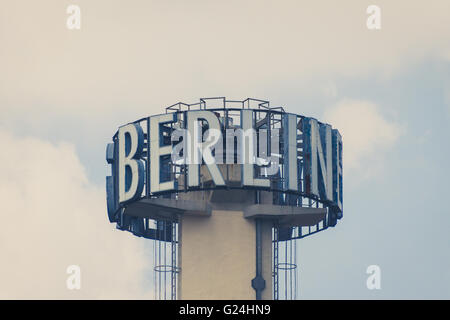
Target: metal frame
point(273, 116)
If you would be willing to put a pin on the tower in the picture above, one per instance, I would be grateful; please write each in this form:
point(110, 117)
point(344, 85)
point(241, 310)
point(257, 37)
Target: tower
point(224, 189)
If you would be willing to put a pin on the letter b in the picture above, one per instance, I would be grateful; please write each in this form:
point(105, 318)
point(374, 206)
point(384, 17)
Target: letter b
point(131, 169)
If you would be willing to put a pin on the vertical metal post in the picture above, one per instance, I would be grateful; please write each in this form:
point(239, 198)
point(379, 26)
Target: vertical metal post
point(173, 264)
point(258, 283)
point(275, 263)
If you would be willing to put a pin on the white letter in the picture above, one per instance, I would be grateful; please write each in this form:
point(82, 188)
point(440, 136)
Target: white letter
point(156, 151)
point(195, 147)
point(131, 169)
point(318, 159)
point(73, 21)
point(374, 20)
point(248, 168)
point(290, 152)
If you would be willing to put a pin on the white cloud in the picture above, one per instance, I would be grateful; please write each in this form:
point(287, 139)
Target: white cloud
point(151, 54)
point(53, 217)
point(367, 135)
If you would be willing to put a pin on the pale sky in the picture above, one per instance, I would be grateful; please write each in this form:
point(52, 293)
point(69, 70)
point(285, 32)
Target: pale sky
point(63, 94)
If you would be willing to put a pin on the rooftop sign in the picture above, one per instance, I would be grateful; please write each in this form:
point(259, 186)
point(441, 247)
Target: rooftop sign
point(230, 145)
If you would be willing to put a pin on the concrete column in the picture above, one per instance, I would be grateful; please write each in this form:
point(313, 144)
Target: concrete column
point(217, 256)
